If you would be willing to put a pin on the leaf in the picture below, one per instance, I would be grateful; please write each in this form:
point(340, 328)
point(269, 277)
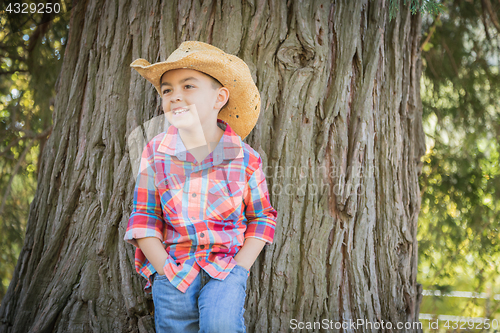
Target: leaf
point(427, 46)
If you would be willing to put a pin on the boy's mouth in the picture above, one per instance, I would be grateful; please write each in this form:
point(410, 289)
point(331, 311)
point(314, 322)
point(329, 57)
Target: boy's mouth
point(180, 110)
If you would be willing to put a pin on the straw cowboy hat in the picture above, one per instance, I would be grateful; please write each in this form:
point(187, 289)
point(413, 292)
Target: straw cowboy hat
point(243, 107)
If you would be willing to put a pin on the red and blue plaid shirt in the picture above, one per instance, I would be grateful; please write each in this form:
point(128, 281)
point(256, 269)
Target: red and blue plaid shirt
point(202, 212)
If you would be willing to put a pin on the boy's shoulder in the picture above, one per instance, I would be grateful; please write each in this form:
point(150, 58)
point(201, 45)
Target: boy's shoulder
point(251, 157)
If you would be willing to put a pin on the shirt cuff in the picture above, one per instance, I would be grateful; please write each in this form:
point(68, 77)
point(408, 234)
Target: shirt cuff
point(261, 229)
point(141, 227)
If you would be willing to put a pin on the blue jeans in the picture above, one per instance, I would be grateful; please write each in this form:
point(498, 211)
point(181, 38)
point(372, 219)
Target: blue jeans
point(208, 305)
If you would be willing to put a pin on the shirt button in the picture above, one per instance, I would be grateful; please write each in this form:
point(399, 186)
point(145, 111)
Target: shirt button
point(202, 247)
point(202, 235)
point(194, 195)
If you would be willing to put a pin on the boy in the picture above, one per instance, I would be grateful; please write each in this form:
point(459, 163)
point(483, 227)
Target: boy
point(201, 212)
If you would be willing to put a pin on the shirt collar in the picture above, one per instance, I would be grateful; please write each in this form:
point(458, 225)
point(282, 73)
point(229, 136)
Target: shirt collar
point(230, 145)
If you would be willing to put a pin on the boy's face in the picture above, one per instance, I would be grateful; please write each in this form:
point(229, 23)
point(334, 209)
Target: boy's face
point(195, 94)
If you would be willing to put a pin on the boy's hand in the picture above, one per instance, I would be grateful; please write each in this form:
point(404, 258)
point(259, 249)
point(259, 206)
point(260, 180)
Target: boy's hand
point(154, 251)
point(249, 252)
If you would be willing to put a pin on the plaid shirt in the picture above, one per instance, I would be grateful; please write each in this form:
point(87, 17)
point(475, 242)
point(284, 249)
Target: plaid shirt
point(202, 212)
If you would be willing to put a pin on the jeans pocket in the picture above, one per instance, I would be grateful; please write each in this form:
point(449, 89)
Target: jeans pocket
point(241, 273)
point(243, 269)
point(160, 277)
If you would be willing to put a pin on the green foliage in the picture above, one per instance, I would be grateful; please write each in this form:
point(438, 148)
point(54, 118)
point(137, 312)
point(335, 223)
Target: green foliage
point(427, 6)
point(459, 221)
point(31, 50)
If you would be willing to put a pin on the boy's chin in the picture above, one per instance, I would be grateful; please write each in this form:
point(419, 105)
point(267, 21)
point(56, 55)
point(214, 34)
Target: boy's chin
point(185, 123)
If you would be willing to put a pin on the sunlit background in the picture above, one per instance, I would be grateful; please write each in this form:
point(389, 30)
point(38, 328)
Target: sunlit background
point(458, 232)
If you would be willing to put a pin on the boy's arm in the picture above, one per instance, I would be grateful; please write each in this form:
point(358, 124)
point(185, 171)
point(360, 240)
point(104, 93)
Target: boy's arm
point(261, 217)
point(145, 226)
point(249, 252)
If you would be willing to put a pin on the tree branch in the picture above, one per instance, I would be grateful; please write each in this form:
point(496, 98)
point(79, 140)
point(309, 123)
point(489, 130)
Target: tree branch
point(493, 16)
point(450, 54)
point(13, 71)
point(430, 33)
point(429, 64)
point(29, 135)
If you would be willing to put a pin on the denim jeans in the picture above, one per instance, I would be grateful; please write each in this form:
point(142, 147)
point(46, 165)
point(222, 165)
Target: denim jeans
point(208, 305)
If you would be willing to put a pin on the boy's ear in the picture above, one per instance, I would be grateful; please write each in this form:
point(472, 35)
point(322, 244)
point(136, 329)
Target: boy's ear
point(222, 97)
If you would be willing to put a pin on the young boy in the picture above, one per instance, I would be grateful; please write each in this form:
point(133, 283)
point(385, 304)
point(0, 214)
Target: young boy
point(201, 212)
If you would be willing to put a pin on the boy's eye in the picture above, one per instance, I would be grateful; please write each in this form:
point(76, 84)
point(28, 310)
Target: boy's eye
point(188, 85)
point(166, 91)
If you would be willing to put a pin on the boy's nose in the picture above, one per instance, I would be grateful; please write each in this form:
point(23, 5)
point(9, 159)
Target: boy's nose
point(176, 98)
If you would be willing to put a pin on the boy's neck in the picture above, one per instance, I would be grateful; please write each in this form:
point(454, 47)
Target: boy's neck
point(201, 140)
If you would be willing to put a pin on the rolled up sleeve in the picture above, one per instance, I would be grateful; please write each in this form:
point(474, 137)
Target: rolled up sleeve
point(146, 219)
point(261, 216)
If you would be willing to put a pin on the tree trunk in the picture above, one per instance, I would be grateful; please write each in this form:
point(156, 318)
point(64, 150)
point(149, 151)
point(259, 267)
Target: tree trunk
point(340, 134)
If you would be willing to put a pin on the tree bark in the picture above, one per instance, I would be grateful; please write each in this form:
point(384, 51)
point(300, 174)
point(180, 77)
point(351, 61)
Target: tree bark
point(340, 134)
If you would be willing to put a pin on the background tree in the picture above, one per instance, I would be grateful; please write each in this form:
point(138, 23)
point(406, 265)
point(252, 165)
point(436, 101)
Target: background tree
point(340, 130)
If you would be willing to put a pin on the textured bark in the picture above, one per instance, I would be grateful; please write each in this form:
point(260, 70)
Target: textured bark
point(340, 134)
